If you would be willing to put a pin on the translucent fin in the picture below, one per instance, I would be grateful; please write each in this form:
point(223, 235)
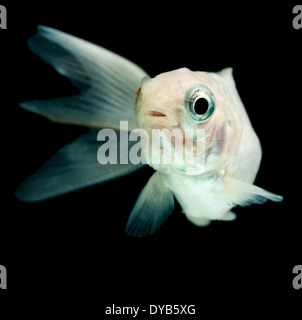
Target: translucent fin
point(73, 167)
point(229, 216)
point(227, 74)
point(152, 208)
point(245, 194)
point(199, 222)
point(107, 81)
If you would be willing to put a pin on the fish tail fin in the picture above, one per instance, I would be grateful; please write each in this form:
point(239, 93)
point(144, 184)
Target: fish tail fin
point(107, 83)
point(76, 166)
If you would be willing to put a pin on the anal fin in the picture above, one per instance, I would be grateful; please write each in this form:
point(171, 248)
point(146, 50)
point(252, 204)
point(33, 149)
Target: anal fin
point(152, 208)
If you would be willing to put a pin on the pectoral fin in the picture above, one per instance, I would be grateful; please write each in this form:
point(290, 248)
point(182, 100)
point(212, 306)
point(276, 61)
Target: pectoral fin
point(244, 194)
point(152, 208)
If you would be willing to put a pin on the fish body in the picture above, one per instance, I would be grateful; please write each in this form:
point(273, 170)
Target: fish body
point(196, 117)
point(231, 145)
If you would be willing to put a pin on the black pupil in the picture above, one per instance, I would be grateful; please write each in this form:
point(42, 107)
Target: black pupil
point(201, 106)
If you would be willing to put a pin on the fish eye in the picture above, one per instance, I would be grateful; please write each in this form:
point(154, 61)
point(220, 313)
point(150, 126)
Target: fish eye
point(200, 103)
point(201, 106)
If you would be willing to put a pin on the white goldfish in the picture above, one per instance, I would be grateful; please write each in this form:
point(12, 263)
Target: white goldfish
point(180, 99)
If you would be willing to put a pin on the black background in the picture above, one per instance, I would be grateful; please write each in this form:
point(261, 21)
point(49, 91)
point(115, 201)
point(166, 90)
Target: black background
point(71, 251)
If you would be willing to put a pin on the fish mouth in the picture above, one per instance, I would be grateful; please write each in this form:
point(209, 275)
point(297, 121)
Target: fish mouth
point(164, 118)
point(156, 114)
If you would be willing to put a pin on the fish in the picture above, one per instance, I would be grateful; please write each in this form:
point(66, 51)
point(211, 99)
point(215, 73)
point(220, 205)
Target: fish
point(196, 117)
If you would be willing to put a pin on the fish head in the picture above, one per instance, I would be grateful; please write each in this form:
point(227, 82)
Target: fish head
point(187, 114)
